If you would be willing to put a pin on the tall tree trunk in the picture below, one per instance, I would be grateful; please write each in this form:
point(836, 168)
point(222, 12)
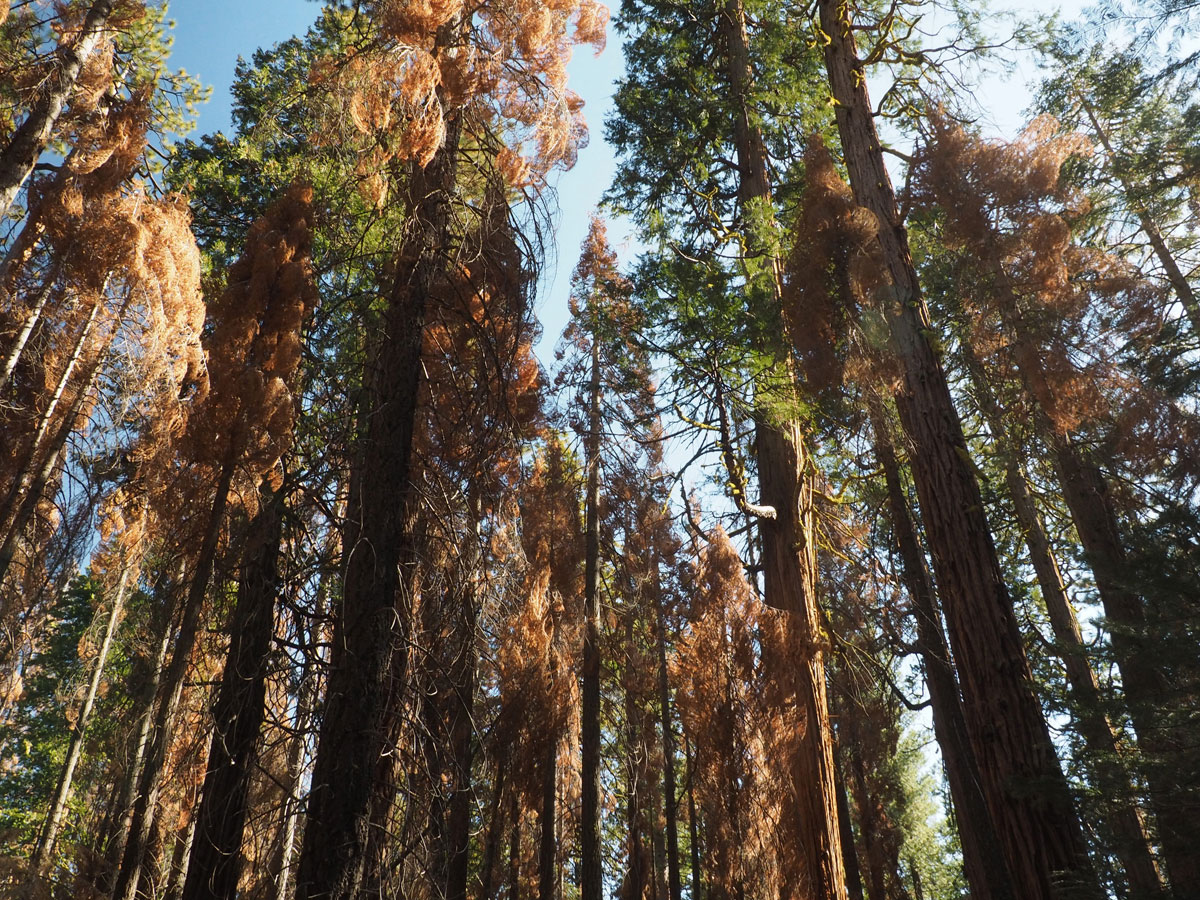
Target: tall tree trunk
point(548, 842)
point(216, 864)
point(151, 780)
point(591, 872)
point(1175, 277)
point(462, 736)
point(693, 827)
point(495, 829)
point(58, 806)
point(787, 485)
point(127, 798)
point(354, 779)
point(285, 866)
point(34, 134)
point(854, 885)
point(983, 859)
point(670, 801)
point(1124, 817)
point(1027, 793)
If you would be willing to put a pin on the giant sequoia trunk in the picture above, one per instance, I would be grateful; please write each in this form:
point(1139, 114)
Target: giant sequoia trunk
point(216, 862)
point(786, 485)
point(35, 132)
point(353, 782)
point(1132, 843)
point(983, 860)
point(1019, 769)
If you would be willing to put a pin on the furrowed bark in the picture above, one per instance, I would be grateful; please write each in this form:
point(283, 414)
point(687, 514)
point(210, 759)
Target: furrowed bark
point(983, 859)
point(787, 485)
point(1026, 791)
point(1125, 819)
point(591, 872)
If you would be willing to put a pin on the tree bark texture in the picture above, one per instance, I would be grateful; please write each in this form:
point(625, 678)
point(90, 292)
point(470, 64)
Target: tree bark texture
point(1124, 817)
point(983, 859)
point(216, 859)
point(670, 800)
point(1027, 793)
point(353, 782)
point(787, 484)
point(591, 871)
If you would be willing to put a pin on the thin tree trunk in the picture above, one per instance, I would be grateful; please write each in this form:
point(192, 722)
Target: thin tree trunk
point(1027, 793)
point(291, 803)
point(461, 728)
point(591, 874)
point(34, 134)
point(514, 851)
point(495, 827)
point(670, 803)
point(854, 885)
point(115, 851)
point(32, 317)
point(983, 859)
point(238, 712)
point(151, 780)
point(58, 807)
point(548, 843)
point(1123, 815)
point(693, 828)
point(787, 485)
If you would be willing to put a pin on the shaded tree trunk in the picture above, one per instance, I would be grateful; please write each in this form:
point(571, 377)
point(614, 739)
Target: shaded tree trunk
point(1026, 791)
point(151, 778)
point(1124, 817)
point(548, 845)
point(591, 872)
point(58, 806)
point(216, 862)
point(854, 885)
point(670, 802)
point(353, 783)
point(983, 859)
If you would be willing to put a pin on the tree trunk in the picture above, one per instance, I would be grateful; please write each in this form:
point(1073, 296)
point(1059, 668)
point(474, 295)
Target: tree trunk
point(670, 804)
point(1026, 791)
point(787, 485)
point(591, 872)
point(216, 864)
point(58, 807)
point(34, 134)
point(151, 780)
point(854, 885)
point(693, 828)
point(983, 860)
point(30, 322)
point(353, 783)
point(548, 844)
point(1124, 817)
point(127, 801)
